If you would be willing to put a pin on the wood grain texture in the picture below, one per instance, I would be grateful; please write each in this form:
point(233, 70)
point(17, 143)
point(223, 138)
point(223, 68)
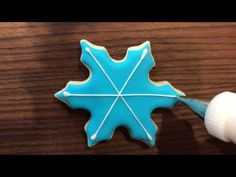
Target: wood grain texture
point(38, 59)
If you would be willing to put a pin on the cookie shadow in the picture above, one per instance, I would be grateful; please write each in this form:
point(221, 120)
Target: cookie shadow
point(131, 140)
point(175, 136)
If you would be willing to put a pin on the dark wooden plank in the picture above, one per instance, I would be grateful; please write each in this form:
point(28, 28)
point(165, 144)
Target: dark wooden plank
point(38, 59)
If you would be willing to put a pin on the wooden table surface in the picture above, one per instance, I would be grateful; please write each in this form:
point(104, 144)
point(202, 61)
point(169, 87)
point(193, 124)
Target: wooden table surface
point(38, 59)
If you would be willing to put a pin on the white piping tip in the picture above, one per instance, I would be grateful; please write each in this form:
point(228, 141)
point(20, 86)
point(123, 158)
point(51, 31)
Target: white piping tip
point(66, 94)
point(145, 51)
point(149, 137)
point(87, 49)
point(93, 137)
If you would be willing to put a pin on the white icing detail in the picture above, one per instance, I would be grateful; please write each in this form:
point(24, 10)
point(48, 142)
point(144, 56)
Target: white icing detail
point(104, 72)
point(149, 137)
point(133, 48)
point(93, 137)
point(154, 95)
point(145, 51)
point(87, 49)
point(137, 119)
point(67, 94)
point(137, 65)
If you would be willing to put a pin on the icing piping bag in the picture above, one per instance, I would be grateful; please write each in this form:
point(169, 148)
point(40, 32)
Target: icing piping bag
point(197, 106)
point(219, 114)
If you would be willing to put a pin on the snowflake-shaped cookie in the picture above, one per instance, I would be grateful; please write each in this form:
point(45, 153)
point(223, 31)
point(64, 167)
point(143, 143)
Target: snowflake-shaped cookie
point(119, 93)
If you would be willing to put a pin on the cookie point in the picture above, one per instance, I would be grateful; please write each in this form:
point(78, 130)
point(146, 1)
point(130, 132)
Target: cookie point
point(82, 40)
point(57, 95)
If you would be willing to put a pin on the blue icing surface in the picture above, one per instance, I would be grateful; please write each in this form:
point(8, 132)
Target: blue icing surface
point(119, 93)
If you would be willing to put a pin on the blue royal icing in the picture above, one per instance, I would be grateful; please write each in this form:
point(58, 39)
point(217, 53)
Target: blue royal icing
point(119, 93)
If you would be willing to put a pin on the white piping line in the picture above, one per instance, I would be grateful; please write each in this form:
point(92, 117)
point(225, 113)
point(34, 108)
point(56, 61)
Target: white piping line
point(93, 137)
point(137, 65)
point(137, 119)
point(154, 95)
point(67, 94)
point(104, 72)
